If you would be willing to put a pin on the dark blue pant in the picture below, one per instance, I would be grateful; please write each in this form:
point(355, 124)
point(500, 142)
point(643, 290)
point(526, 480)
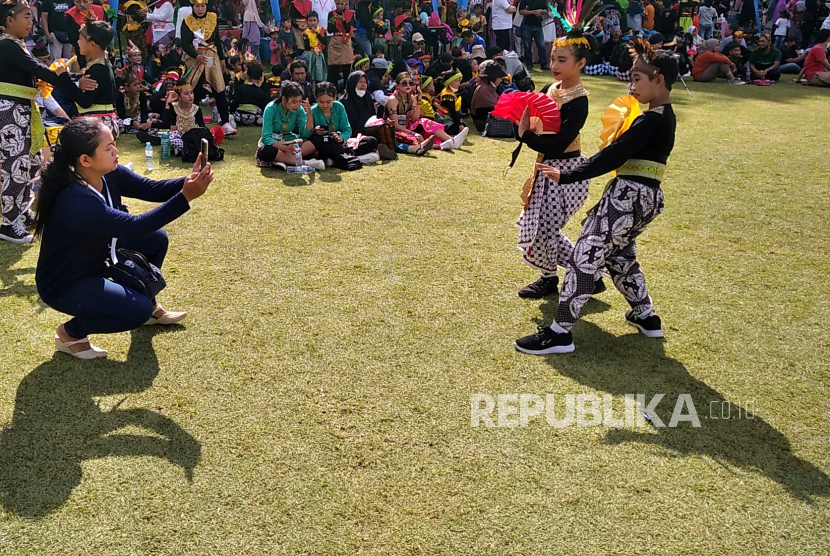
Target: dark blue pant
point(531, 34)
point(101, 306)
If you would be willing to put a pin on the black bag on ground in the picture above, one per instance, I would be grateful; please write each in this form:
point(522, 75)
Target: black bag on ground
point(192, 145)
point(133, 270)
point(498, 127)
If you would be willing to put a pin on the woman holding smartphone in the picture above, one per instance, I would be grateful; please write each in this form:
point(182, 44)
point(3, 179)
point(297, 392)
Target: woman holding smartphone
point(80, 213)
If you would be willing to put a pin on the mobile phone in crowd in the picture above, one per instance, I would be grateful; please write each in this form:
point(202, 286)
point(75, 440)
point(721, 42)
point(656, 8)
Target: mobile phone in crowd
point(204, 152)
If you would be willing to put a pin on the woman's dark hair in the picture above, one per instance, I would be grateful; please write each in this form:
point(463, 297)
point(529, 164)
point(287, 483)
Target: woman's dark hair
point(80, 136)
point(326, 88)
point(290, 89)
point(668, 65)
point(100, 32)
point(580, 50)
point(311, 14)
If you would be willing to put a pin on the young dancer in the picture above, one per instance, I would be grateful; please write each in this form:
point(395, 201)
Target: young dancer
point(549, 204)
point(93, 39)
point(630, 202)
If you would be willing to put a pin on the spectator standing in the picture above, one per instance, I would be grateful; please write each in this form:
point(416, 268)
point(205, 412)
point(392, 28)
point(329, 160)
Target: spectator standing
point(531, 31)
point(707, 16)
point(502, 22)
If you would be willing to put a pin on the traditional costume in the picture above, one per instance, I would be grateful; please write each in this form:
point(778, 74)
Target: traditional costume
point(100, 102)
point(549, 205)
point(630, 202)
point(22, 133)
point(341, 53)
point(130, 109)
point(75, 19)
point(135, 26)
point(637, 150)
point(424, 126)
point(200, 35)
point(448, 106)
point(314, 41)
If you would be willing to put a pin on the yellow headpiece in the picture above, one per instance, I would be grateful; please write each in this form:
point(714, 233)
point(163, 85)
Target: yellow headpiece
point(572, 42)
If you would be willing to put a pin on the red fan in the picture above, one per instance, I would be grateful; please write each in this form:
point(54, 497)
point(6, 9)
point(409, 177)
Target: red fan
point(544, 112)
point(218, 135)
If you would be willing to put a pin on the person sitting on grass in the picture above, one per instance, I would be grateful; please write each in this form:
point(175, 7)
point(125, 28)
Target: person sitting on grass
point(764, 60)
point(816, 66)
point(79, 213)
point(284, 125)
point(331, 133)
point(250, 99)
point(486, 94)
point(710, 65)
point(791, 60)
point(360, 108)
point(404, 108)
point(180, 112)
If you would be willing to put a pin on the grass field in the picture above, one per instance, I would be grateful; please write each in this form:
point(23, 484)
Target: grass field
point(317, 399)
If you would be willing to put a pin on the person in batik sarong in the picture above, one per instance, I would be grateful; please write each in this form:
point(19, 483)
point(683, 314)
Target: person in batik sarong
point(549, 204)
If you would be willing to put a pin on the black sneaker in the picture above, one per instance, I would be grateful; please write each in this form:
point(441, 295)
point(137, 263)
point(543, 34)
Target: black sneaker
point(16, 233)
point(599, 286)
point(545, 341)
point(543, 287)
point(650, 326)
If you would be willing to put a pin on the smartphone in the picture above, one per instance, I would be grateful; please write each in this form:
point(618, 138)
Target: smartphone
point(204, 152)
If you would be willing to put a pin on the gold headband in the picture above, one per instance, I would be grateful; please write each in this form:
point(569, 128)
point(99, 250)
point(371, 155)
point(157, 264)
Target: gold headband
point(572, 42)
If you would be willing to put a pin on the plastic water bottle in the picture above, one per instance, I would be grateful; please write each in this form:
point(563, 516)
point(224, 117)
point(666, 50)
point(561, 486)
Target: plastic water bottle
point(165, 145)
point(148, 156)
point(748, 74)
point(215, 119)
point(299, 167)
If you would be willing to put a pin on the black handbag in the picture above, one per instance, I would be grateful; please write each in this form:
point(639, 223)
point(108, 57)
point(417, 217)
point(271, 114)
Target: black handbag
point(132, 269)
point(498, 127)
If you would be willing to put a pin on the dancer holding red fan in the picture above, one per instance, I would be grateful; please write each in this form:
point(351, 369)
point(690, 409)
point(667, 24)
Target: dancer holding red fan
point(550, 204)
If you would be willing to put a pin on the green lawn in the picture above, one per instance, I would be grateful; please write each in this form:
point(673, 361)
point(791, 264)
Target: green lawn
point(317, 398)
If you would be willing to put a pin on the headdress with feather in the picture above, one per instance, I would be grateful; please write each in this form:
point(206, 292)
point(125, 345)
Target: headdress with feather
point(642, 52)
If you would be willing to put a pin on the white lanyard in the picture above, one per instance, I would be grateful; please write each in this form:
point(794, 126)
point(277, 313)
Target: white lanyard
point(109, 203)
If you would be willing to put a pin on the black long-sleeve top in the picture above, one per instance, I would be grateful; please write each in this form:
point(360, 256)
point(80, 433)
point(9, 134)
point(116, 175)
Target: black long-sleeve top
point(79, 226)
point(106, 92)
point(650, 137)
point(19, 67)
point(552, 145)
point(249, 93)
point(187, 38)
point(121, 109)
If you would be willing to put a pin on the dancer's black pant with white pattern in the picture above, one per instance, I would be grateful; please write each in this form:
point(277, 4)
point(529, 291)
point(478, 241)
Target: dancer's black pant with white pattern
point(550, 206)
point(608, 240)
point(19, 168)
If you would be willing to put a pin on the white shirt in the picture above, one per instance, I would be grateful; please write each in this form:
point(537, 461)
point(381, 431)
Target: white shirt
point(184, 11)
point(500, 18)
point(162, 20)
point(826, 24)
point(323, 9)
point(781, 26)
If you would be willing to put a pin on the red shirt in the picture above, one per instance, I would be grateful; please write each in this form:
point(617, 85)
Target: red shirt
point(81, 17)
point(706, 59)
point(813, 62)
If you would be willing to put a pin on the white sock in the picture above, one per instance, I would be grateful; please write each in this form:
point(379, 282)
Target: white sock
point(558, 329)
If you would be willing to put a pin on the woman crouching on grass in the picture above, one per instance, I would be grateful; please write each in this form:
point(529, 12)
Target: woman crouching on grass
point(284, 123)
point(79, 214)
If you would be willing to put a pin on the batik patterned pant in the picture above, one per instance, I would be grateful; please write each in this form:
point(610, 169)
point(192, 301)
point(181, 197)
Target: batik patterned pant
point(19, 169)
point(608, 240)
point(550, 206)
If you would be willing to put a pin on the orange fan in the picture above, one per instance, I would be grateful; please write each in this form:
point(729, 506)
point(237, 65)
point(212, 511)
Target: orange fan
point(544, 112)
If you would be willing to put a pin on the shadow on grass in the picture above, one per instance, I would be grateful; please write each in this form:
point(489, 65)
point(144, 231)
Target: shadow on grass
point(12, 280)
point(57, 424)
point(291, 180)
point(633, 364)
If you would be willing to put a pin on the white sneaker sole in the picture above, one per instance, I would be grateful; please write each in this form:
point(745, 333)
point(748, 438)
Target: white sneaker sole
point(17, 240)
point(646, 333)
point(555, 349)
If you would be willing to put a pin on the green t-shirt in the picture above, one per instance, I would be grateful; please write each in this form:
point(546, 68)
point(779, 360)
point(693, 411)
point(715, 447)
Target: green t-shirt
point(763, 60)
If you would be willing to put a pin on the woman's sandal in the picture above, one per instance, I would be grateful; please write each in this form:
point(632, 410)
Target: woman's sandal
point(91, 353)
point(166, 317)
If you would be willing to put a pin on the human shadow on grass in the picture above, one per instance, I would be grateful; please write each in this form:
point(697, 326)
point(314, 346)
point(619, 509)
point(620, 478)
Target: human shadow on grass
point(57, 424)
point(291, 180)
point(11, 280)
point(634, 364)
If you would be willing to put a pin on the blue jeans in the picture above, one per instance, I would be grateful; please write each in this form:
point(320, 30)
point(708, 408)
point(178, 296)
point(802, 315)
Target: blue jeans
point(100, 306)
point(789, 68)
point(707, 30)
point(362, 43)
point(531, 34)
